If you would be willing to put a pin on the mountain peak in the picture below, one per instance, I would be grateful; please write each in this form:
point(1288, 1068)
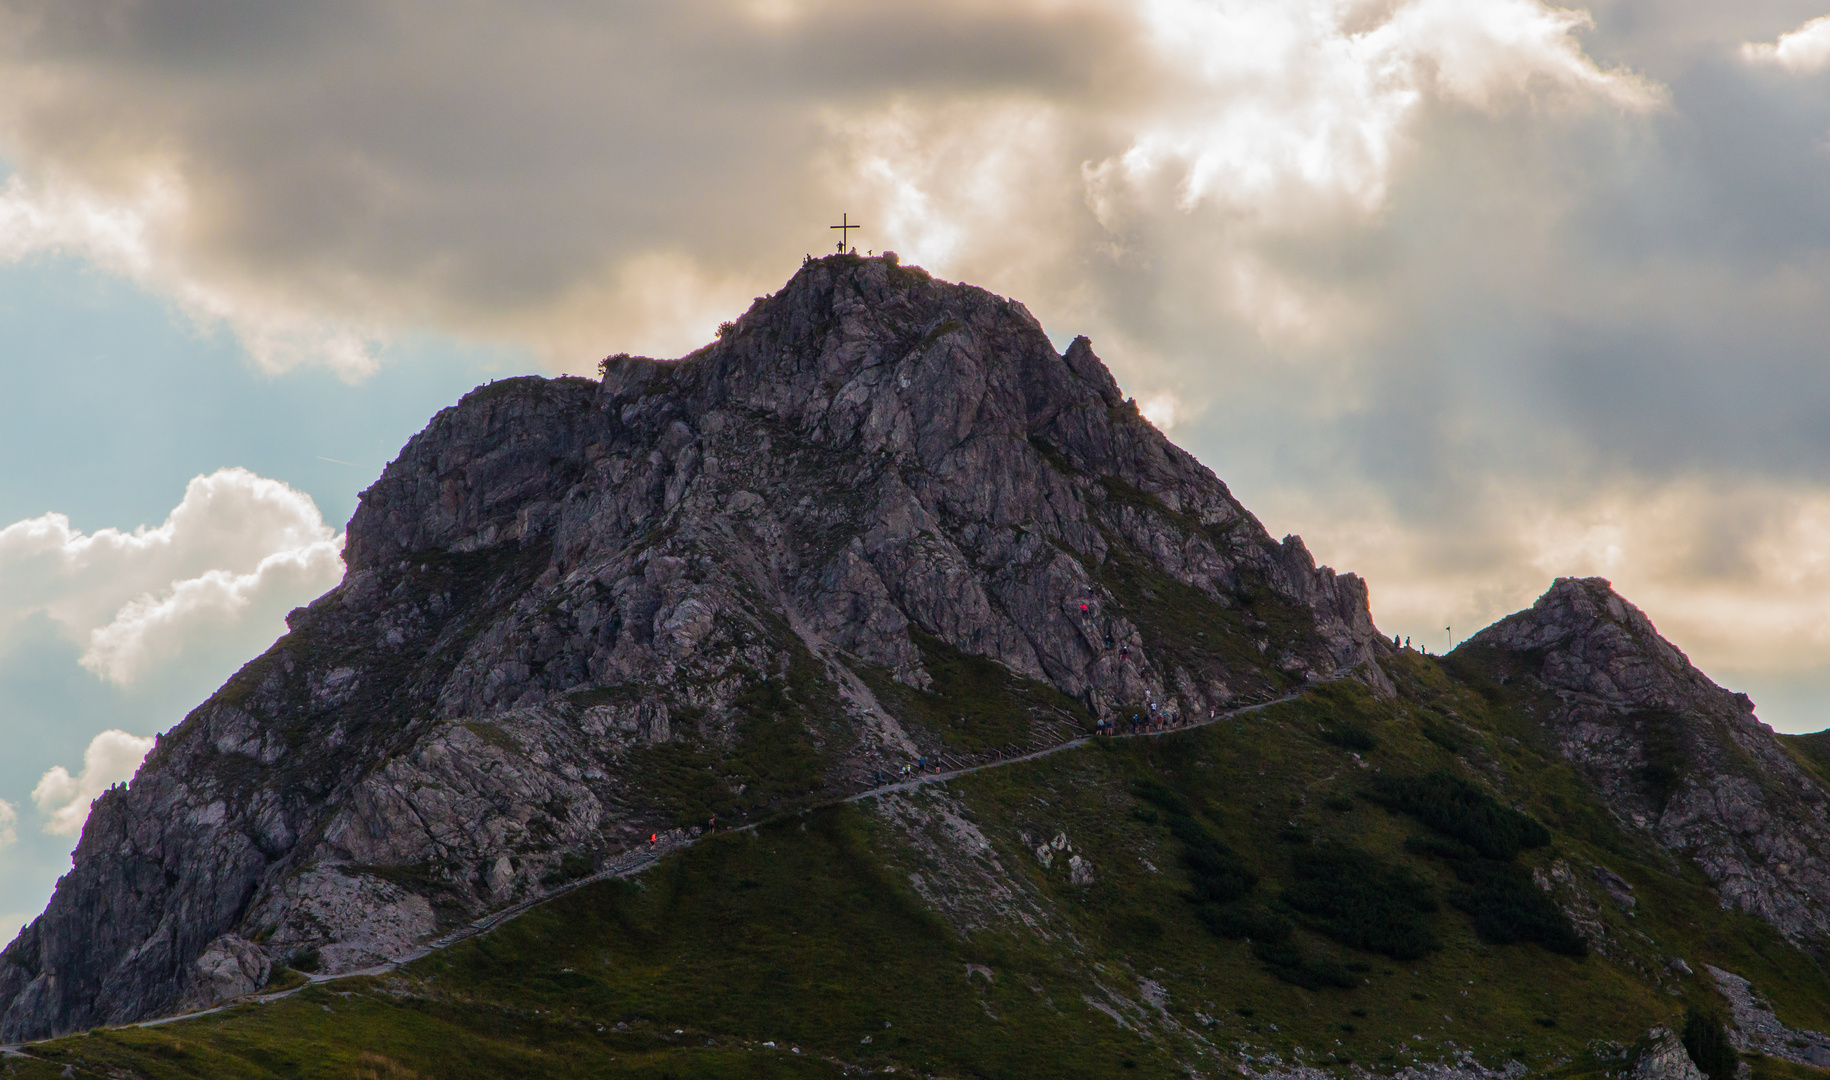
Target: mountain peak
point(1593, 641)
point(880, 521)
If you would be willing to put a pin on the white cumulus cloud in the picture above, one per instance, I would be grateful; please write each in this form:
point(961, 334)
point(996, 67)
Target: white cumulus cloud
point(236, 553)
point(152, 628)
point(1289, 109)
point(9, 821)
point(112, 758)
point(1802, 50)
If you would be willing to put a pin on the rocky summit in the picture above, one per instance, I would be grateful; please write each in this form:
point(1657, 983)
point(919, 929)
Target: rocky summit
point(875, 690)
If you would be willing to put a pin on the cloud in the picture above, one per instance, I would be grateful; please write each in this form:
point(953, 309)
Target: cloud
point(1291, 108)
point(1163, 409)
point(1460, 289)
point(112, 758)
point(149, 629)
point(127, 232)
point(236, 553)
point(335, 176)
point(1802, 50)
point(9, 820)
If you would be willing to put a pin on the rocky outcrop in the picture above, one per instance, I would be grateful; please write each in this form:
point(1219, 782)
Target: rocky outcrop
point(1669, 751)
point(577, 613)
point(1664, 1058)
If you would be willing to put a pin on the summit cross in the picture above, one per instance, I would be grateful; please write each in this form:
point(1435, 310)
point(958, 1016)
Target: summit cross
point(845, 231)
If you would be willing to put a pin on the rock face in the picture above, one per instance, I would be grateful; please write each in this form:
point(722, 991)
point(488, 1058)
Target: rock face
point(579, 612)
point(1665, 1058)
point(1670, 752)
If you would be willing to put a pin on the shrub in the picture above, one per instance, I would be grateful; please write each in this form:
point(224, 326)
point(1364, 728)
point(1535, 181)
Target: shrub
point(1359, 901)
point(1286, 960)
point(1350, 736)
point(1160, 795)
point(1456, 808)
point(1508, 907)
point(1706, 1039)
point(726, 327)
point(1215, 870)
point(1442, 735)
point(570, 868)
point(1221, 887)
point(1242, 921)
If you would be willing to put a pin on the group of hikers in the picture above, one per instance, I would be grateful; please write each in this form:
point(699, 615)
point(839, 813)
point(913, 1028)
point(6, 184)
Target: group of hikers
point(1150, 718)
point(902, 773)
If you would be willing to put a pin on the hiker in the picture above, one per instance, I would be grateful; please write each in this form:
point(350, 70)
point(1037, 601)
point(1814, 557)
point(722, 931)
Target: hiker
point(654, 838)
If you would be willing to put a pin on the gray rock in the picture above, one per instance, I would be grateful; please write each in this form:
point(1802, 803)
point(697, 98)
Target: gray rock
point(1664, 1058)
point(230, 966)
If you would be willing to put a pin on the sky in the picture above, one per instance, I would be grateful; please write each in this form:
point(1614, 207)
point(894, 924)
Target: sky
point(1471, 294)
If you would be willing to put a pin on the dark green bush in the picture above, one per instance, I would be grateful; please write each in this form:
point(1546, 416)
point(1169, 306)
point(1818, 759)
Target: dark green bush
point(1350, 736)
point(1221, 887)
point(1456, 808)
point(1243, 921)
point(1442, 735)
point(1508, 907)
point(1161, 795)
point(570, 868)
point(1286, 960)
point(1359, 901)
point(1706, 1039)
point(1439, 847)
point(1214, 870)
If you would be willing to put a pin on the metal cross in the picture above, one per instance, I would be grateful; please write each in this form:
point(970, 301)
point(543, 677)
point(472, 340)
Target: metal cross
point(845, 231)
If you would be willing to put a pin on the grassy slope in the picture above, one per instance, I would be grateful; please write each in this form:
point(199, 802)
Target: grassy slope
point(807, 933)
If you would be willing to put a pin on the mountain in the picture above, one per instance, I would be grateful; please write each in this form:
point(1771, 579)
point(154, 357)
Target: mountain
point(576, 614)
point(641, 662)
point(1668, 752)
